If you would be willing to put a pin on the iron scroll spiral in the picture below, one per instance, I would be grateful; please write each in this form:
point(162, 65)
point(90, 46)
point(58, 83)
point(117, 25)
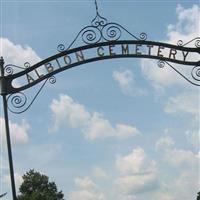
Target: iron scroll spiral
point(99, 21)
point(17, 102)
point(52, 79)
point(143, 36)
point(111, 32)
point(61, 47)
point(161, 63)
point(196, 73)
point(91, 35)
point(197, 43)
point(9, 69)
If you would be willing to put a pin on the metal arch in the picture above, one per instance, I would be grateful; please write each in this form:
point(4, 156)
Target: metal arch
point(8, 79)
point(17, 102)
point(99, 33)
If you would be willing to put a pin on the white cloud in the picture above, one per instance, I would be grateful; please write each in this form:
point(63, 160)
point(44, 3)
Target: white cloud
point(18, 180)
point(66, 110)
point(135, 163)
point(185, 183)
point(124, 131)
point(164, 142)
point(99, 173)
point(134, 184)
point(18, 54)
point(186, 28)
point(178, 157)
point(93, 125)
point(127, 84)
point(86, 190)
point(138, 173)
point(85, 183)
point(18, 132)
point(183, 103)
point(193, 137)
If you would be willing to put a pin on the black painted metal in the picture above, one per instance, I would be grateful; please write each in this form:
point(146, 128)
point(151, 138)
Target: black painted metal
point(5, 106)
point(10, 78)
point(99, 34)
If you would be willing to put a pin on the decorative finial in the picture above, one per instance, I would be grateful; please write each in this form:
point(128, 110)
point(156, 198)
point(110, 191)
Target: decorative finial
point(97, 9)
point(98, 21)
point(1, 61)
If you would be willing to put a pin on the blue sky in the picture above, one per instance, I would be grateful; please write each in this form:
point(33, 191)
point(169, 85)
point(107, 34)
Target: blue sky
point(114, 129)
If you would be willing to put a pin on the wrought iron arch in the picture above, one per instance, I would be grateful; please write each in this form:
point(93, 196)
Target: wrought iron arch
point(107, 40)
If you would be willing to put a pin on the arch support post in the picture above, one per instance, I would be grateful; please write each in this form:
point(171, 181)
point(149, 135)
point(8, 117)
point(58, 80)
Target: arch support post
point(7, 129)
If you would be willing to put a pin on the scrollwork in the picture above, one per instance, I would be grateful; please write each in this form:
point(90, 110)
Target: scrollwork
point(180, 43)
point(196, 73)
point(9, 69)
point(16, 102)
point(61, 47)
point(143, 36)
point(111, 32)
point(27, 65)
point(52, 79)
point(99, 21)
point(161, 63)
point(197, 43)
point(195, 40)
point(91, 35)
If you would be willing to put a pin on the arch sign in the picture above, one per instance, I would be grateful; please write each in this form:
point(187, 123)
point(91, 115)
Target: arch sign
point(99, 41)
point(103, 40)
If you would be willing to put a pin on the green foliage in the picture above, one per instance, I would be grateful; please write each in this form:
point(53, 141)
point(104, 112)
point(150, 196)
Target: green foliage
point(198, 197)
point(36, 186)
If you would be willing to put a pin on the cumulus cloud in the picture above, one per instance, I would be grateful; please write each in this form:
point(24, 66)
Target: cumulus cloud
point(186, 28)
point(185, 182)
point(138, 173)
point(86, 190)
point(18, 132)
point(93, 125)
point(164, 142)
point(179, 157)
point(99, 173)
point(18, 54)
point(182, 169)
point(183, 103)
point(127, 84)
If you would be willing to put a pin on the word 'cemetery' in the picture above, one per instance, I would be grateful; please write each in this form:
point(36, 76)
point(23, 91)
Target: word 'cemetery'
point(110, 51)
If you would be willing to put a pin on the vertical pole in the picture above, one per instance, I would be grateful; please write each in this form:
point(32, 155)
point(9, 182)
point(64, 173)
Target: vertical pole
point(5, 106)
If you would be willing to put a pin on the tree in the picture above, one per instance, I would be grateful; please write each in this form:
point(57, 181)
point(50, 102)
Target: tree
point(36, 186)
point(198, 197)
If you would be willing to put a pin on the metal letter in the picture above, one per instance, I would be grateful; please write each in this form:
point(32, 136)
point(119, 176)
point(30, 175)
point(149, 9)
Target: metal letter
point(173, 52)
point(185, 55)
point(100, 54)
point(29, 78)
point(137, 49)
point(111, 50)
point(49, 67)
point(150, 46)
point(67, 59)
point(125, 49)
point(80, 56)
point(159, 51)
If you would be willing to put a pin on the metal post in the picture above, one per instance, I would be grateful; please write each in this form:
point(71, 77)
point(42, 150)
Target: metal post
point(5, 106)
